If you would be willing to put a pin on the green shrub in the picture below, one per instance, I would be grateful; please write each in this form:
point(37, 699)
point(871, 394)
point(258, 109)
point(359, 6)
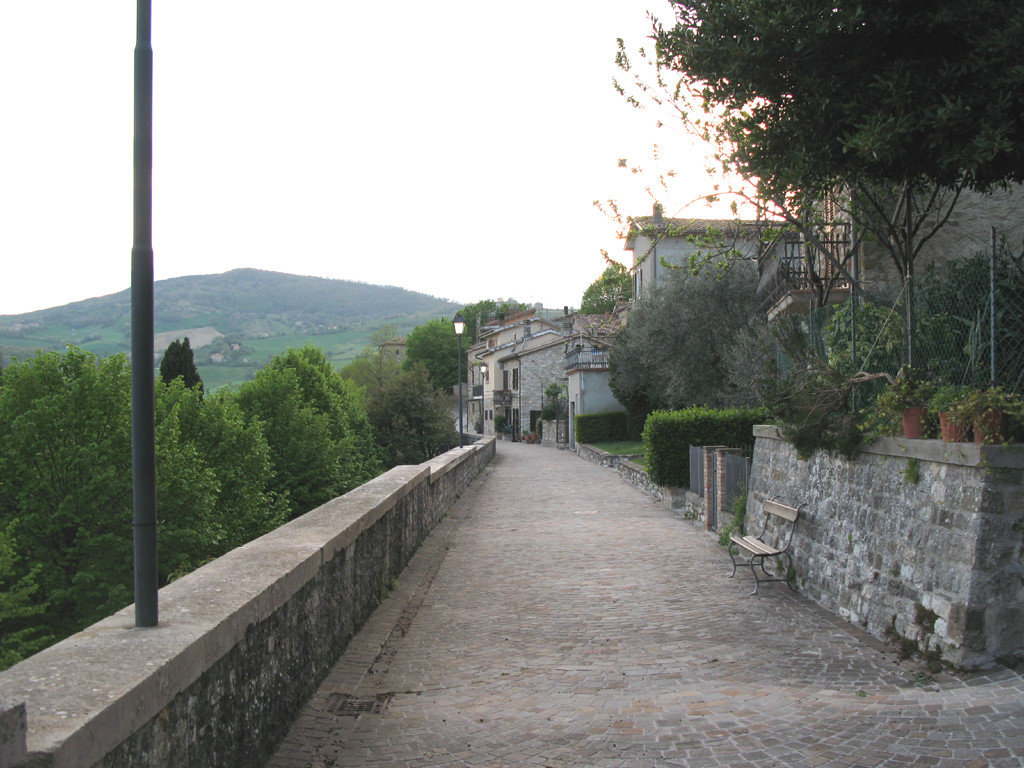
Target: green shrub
point(603, 427)
point(668, 435)
point(738, 510)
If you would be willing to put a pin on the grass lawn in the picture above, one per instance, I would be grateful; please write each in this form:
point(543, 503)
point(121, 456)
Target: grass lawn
point(621, 447)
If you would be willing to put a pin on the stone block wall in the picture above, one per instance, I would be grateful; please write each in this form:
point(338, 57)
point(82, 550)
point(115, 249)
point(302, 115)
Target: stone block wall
point(917, 536)
point(597, 456)
point(242, 642)
point(537, 372)
point(553, 434)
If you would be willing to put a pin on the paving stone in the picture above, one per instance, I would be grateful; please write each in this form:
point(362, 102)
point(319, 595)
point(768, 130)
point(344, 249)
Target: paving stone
point(559, 617)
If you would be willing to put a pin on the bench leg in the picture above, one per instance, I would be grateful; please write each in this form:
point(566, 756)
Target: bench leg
point(733, 558)
point(768, 577)
point(753, 570)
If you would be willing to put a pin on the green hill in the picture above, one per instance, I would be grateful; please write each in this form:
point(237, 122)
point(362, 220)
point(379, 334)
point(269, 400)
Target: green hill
point(245, 316)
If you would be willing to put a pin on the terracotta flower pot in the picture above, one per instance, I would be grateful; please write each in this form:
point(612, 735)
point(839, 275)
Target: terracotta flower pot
point(990, 427)
point(952, 431)
point(912, 419)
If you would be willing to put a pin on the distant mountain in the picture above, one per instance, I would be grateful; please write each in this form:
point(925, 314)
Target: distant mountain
point(248, 300)
point(243, 304)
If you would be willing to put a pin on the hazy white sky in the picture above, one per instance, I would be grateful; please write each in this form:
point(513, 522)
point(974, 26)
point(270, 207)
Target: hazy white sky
point(453, 148)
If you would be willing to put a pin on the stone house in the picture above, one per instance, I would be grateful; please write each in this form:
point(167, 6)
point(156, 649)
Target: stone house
point(394, 349)
point(512, 362)
point(791, 272)
point(794, 276)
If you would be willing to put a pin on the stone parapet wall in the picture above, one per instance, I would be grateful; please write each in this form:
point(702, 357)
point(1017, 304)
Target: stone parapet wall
point(910, 534)
point(242, 642)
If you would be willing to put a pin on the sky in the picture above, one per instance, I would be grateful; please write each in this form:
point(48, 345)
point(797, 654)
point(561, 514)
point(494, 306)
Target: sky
point(453, 148)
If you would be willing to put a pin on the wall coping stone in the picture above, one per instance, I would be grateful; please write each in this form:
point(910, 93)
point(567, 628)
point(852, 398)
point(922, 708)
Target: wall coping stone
point(117, 677)
point(961, 454)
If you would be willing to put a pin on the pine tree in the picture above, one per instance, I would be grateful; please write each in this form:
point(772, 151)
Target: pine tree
point(178, 361)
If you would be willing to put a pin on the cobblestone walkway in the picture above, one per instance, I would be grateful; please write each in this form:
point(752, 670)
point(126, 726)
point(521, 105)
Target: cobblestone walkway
point(559, 617)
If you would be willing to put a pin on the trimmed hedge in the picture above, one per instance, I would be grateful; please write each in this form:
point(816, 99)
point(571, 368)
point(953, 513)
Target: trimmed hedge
point(668, 436)
point(604, 427)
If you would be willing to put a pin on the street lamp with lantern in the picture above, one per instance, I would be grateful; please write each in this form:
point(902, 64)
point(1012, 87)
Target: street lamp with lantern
point(460, 327)
point(483, 402)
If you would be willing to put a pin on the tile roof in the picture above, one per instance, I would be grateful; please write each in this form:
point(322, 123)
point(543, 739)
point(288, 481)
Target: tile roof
point(682, 227)
point(597, 325)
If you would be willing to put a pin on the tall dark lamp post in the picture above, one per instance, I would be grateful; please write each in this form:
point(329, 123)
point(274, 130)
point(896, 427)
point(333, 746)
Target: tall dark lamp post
point(143, 431)
point(460, 326)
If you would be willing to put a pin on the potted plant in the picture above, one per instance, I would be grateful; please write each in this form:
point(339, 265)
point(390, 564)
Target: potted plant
point(499, 426)
point(945, 401)
point(906, 400)
point(986, 410)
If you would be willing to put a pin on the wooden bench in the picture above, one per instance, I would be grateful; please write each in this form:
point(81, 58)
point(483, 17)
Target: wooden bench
point(757, 550)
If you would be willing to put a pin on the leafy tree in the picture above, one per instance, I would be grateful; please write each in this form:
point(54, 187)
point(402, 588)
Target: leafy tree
point(411, 419)
point(66, 490)
point(804, 93)
point(435, 345)
point(373, 366)
point(887, 110)
point(21, 631)
point(483, 310)
point(65, 481)
point(179, 362)
point(321, 442)
point(613, 287)
point(672, 354)
point(215, 479)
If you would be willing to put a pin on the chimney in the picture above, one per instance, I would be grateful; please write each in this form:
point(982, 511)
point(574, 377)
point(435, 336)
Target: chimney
point(659, 218)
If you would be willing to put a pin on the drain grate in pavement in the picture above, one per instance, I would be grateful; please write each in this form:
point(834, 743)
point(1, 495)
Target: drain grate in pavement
point(353, 706)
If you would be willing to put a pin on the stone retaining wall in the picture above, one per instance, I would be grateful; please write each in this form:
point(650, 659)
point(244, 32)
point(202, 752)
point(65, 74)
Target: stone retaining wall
point(917, 537)
point(242, 641)
point(634, 474)
point(596, 455)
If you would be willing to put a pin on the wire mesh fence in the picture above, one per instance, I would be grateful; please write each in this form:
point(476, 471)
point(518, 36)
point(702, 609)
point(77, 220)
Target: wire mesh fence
point(966, 328)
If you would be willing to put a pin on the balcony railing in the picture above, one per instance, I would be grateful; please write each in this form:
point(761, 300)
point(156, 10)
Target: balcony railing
point(586, 359)
point(478, 390)
point(502, 398)
point(787, 277)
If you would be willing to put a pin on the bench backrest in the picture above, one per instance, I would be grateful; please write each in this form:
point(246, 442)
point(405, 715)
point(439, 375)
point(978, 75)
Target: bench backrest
point(779, 509)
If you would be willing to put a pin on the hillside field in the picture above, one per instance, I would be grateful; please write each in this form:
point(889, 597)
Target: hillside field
point(261, 313)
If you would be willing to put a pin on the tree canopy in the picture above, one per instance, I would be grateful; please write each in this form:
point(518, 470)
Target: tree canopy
point(613, 287)
point(863, 111)
point(229, 468)
point(435, 345)
point(672, 353)
point(411, 419)
point(66, 491)
point(803, 93)
point(483, 310)
point(321, 443)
